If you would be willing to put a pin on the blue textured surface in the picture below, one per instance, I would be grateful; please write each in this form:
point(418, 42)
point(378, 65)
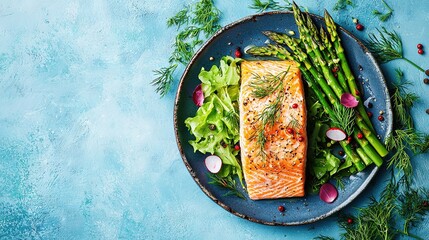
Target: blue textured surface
point(87, 149)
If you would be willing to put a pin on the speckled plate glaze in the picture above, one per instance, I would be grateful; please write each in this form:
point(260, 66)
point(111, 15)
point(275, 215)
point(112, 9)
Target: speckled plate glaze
point(246, 32)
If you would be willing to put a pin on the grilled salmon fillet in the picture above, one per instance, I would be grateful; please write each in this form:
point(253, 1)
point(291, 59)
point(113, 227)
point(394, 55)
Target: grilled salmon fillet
point(273, 154)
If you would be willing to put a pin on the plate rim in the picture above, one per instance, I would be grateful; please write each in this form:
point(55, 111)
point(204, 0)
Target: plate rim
point(351, 198)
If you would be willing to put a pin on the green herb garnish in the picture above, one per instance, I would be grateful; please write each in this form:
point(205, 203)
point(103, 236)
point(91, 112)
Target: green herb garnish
point(413, 206)
point(344, 118)
point(228, 183)
point(164, 79)
point(264, 86)
point(387, 47)
point(194, 23)
point(398, 203)
point(267, 117)
point(342, 4)
point(262, 6)
point(383, 16)
point(404, 139)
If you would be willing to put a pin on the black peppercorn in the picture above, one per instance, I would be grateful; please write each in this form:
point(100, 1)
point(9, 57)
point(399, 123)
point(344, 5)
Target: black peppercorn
point(427, 72)
point(212, 127)
point(426, 80)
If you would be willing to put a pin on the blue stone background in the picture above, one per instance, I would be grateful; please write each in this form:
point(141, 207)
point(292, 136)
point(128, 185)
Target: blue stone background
point(87, 149)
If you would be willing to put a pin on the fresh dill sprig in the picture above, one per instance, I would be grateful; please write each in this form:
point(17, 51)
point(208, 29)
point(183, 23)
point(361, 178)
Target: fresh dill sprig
point(261, 139)
point(402, 101)
point(404, 139)
point(412, 207)
point(164, 79)
point(179, 19)
point(228, 183)
point(399, 202)
point(383, 16)
point(344, 118)
point(267, 118)
point(294, 124)
point(387, 47)
point(401, 142)
point(182, 52)
point(193, 23)
point(207, 16)
point(262, 6)
point(340, 182)
point(263, 87)
point(342, 4)
point(271, 112)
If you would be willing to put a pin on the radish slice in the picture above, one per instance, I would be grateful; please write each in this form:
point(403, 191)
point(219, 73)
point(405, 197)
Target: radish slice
point(328, 193)
point(213, 163)
point(336, 134)
point(348, 100)
point(198, 96)
point(247, 48)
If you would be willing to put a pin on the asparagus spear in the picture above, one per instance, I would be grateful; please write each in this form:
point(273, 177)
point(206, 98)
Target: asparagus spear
point(336, 40)
point(309, 35)
point(362, 154)
point(333, 60)
point(314, 52)
point(370, 136)
point(369, 150)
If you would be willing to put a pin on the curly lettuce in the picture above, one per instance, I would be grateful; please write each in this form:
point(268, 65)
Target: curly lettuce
point(216, 123)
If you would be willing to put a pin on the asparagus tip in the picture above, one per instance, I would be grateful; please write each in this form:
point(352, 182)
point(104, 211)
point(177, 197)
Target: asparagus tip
point(266, 33)
point(295, 7)
point(328, 16)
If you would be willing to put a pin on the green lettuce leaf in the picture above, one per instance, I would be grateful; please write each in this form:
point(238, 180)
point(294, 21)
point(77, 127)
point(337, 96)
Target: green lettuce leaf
point(216, 123)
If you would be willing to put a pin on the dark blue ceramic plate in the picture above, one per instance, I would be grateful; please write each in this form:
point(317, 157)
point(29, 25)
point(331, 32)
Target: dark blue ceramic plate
point(248, 32)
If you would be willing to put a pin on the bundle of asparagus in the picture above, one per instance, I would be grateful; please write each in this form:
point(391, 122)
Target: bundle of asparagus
point(317, 53)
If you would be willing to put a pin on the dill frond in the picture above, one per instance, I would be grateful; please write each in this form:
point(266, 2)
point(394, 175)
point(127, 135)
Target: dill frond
point(263, 87)
point(181, 18)
point(163, 80)
point(262, 6)
point(344, 118)
point(228, 183)
point(342, 4)
point(383, 16)
point(193, 23)
point(385, 47)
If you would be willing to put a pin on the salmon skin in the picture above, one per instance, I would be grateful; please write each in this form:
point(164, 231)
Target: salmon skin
point(275, 169)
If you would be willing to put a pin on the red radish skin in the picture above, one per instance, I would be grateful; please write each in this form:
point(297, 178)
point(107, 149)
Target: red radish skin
point(213, 163)
point(336, 134)
point(328, 193)
point(348, 100)
point(198, 96)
